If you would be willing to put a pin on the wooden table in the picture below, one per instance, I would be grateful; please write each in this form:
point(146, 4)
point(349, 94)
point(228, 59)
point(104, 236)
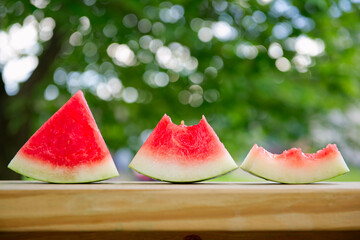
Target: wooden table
point(153, 210)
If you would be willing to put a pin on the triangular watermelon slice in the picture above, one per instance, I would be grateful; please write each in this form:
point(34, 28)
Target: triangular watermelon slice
point(180, 153)
point(68, 148)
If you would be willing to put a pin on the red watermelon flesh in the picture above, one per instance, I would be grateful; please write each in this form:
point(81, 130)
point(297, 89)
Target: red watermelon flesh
point(294, 166)
point(180, 153)
point(68, 148)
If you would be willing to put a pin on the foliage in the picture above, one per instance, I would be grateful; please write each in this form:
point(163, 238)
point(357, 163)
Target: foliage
point(261, 71)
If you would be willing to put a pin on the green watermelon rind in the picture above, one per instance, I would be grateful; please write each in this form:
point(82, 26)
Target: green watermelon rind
point(195, 181)
point(107, 171)
point(272, 180)
point(47, 181)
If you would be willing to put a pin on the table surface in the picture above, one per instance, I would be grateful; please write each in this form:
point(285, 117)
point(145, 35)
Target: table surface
point(157, 206)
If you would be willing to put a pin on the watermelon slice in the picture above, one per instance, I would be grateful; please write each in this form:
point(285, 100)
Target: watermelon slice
point(182, 153)
point(294, 166)
point(68, 148)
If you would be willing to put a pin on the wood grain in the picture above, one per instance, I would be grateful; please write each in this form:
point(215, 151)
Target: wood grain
point(293, 235)
point(134, 206)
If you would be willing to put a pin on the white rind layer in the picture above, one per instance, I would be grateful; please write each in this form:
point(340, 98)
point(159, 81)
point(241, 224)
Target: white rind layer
point(42, 171)
point(269, 168)
point(171, 170)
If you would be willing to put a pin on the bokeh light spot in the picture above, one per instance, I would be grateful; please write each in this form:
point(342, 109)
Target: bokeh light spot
point(51, 92)
point(275, 50)
point(130, 20)
point(283, 64)
point(205, 34)
point(130, 95)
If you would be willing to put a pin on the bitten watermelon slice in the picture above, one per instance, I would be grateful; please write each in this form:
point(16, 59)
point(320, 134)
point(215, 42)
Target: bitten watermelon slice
point(294, 166)
point(182, 153)
point(68, 148)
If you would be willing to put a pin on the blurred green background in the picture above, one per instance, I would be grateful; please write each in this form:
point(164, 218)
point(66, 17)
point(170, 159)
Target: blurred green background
point(277, 73)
